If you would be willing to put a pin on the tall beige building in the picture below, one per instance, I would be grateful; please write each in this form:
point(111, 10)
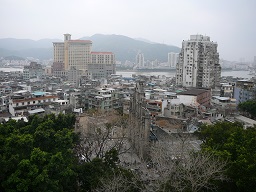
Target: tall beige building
point(73, 53)
point(77, 55)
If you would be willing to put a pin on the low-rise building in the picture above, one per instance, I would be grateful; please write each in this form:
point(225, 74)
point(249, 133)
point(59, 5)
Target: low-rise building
point(3, 103)
point(22, 102)
point(227, 90)
point(5, 89)
point(102, 65)
point(33, 71)
point(202, 96)
point(244, 90)
point(174, 108)
point(247, 122)
point(104, 99)
point(223, 102)
point(154, 106)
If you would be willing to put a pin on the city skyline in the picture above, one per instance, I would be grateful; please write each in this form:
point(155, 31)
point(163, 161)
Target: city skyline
point(229, 23)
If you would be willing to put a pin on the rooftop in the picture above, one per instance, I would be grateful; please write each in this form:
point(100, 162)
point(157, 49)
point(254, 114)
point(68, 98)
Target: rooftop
point(38, 93)
point(80, 41)
point(17, 118)
point(221, 98)
point(245, 119)
point(74, 41)
point(40, 110)
point(194, 92)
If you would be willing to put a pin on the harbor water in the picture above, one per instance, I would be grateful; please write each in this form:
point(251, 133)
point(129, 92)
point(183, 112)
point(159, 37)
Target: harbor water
point(239, 74)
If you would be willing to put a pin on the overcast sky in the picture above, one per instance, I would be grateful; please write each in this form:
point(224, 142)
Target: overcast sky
point(230, 23)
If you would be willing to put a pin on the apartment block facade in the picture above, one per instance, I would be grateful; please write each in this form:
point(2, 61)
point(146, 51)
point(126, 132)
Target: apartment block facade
point(198, 63)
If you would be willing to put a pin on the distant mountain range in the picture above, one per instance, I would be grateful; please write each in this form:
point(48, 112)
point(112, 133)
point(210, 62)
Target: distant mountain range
point(123, 47)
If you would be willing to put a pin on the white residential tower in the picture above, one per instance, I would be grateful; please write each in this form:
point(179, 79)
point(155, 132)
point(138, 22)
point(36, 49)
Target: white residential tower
point(173, 59)
point(198, 64)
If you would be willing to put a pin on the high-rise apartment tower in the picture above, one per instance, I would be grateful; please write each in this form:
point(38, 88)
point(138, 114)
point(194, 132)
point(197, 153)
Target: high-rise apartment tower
point(198, 64)
point(173, 59)
point(140, 60)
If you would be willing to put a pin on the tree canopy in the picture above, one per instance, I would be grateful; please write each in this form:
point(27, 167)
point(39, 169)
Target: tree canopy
point(37, 155)
point(248, 108)
point(230, 141)
point(40, 155)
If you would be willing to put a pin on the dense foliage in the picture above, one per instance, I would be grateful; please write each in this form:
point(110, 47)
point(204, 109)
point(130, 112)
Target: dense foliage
point(230, 141)
point(248, 108)
point(39, 155)
point(42, 155)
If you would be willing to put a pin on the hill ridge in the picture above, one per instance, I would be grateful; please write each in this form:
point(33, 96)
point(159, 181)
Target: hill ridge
point(125, 48)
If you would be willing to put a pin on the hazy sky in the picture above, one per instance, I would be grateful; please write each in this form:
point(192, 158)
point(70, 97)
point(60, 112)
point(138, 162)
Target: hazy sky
point(231, 23)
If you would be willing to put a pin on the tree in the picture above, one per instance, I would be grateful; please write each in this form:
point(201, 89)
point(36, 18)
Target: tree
point(248, 108)
point(102, 140)
point(179, 168)
point(103, 133)
point(119, 181)
point(238, 145)
point(104, 174)
point(40, 155)
point(37, 155)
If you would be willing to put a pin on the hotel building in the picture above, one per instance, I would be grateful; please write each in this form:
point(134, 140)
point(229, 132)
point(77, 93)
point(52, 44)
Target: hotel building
point(78, 55)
